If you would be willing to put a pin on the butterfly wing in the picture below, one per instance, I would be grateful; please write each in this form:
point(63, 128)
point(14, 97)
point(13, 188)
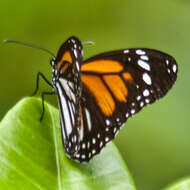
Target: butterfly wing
point(98, 95)
point(116, 85)
point(67, 83)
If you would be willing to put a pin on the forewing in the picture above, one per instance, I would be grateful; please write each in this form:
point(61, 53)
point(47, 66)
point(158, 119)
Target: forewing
point(69, 90)
point(116, 85)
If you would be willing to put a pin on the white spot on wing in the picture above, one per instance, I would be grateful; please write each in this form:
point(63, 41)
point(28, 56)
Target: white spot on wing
point(127, 115)
point(126, 51)
point(144, 65)
point(88, 119)
point(144, 57)
point(107, 122)
point(107, 139)
point(73, 40)
point(141, 104)
point(146, 92)
point(77, 65)
point(174, 68)
point(147, 79)
point(93, 141)
point(147, 100)
point(138, 98)
point(83, 156)
point(88, 144)
point(75, 52)
point(132, 111)
point(115, 129)
point(140, 52)
point(83, 145)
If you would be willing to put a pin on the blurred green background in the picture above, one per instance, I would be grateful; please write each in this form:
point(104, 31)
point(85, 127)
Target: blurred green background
point(156, 142)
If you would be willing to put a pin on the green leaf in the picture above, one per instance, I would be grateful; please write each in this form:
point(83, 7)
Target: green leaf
point(183, 184)
point(32, 155)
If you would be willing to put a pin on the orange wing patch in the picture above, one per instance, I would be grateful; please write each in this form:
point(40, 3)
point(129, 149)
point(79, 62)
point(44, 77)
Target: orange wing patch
point(127, 76)
point(66, 57)
point(117, 86)
point(102, 66)
point(100, 93)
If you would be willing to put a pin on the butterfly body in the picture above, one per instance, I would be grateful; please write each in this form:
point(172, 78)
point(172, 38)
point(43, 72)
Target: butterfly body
point(98, 95)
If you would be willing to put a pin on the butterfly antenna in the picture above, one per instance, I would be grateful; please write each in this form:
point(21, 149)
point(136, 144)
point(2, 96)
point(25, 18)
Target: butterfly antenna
point(88, 43)
point(29, 45)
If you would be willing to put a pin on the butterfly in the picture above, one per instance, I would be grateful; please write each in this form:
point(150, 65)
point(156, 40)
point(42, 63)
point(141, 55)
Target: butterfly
point(98, 95)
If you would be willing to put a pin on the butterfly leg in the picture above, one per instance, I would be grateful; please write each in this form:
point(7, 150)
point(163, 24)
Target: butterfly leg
point(43, 106)
point(37, 82)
